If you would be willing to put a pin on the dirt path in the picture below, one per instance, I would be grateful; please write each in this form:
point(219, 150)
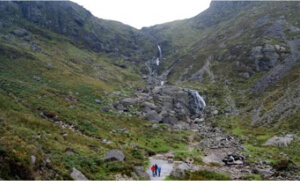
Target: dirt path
point(166, 168)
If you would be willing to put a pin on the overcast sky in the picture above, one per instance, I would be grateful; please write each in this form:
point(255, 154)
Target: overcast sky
point(142, 13)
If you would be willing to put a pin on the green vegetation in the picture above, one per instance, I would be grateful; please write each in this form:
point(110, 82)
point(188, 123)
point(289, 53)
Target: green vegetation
point(202, 175)
point(48, 111)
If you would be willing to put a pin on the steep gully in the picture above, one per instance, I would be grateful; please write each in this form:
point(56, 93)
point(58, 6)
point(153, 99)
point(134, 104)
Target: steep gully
point(215, 142)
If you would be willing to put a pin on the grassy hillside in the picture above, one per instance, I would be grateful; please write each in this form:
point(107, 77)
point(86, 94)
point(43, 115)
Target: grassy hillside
point(52, 92)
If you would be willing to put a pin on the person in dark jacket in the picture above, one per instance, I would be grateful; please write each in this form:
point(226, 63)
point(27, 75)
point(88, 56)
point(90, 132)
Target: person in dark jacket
point(156, 169)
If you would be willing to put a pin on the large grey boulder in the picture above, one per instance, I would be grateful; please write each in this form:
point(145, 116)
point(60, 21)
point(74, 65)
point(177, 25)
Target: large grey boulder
point(280, 141)
point(153, 116)
point(170, 120)
point(128, 101)
point(141, 172)
point(114, 155)
point(77, 175)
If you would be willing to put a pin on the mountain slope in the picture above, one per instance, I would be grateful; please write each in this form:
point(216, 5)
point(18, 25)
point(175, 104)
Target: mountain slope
point(61, 73)
point(83, 29)
point(244, 57)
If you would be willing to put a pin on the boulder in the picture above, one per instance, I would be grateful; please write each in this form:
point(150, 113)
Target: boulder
point(128, 101)
point(49, 66)
point(178, 173)
point(280, 141)
point(120, 107)
point(141, 173)
point(36, 78)
point(20, 32)
point(170, 120)
point(32, 159)
point(215, 112)
point(105, 109)
point(77, 175)
point(153, 116)
point(266, 172)
point(244, 75)
point(113, 155)
point(97, 101)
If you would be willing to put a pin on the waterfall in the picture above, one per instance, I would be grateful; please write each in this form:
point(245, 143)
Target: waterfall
point(159, 52)
point(199, 101)
point(157, 61)
point(162, 83)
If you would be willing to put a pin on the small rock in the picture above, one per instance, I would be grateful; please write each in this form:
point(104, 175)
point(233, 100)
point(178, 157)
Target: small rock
point(238, 162)
point(120, 107)
point(198, 121)
point(154, 126)
point(77, 175)
point(69, 151)
point(105, 109)
point(32, 159)
point(244, 75)
point(114, 155)
point(20, 32)
point(97, 101)
point(215, 112)
point(49, 66)
point(48, 161)
point(36, 78)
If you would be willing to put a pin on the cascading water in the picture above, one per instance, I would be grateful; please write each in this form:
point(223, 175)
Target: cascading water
point(155, 62)
point(159, 51)
point(199, 101)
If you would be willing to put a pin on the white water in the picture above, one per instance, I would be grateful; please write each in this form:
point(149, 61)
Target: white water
point(159, 49)
point(199, 101)
point(157, 61)
point(162, 83)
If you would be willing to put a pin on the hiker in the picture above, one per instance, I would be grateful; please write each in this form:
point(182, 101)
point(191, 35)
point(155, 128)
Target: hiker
point(153, 170)
point(159, 170)
point(156, 169)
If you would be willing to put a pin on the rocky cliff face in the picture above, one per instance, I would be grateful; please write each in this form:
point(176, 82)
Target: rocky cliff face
point(251, 46)
point(75, 22)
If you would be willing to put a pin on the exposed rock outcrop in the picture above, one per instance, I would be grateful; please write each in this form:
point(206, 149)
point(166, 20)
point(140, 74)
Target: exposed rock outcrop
point(114, 155)
point(280, 141)
point(77, 175)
